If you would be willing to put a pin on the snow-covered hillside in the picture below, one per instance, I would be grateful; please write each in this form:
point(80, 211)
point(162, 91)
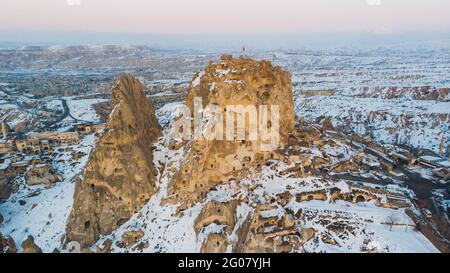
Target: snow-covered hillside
point(417, 123)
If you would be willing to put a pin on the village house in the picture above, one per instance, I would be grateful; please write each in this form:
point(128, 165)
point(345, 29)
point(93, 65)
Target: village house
point(401, 156)
point(61, 137)
point(28, 145)
point(89, 128)
point(396, 201)
point(46, 114)
point(433, 162)
point(20, 164)
point(309, 93)
point(45, 144)
point(15, 159)
point(442, 174)
point(6, 147)
point(22, 145)
point(44, 141)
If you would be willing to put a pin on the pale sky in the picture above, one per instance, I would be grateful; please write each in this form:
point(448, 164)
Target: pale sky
point(226, 16)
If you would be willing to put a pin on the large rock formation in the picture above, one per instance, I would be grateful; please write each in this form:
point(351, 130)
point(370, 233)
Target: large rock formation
point(29, 246)
point(42, 174)
point(212, 162)
point(5, 188)
point(7, 185)
point(244, 81)
point(233, 82)
point(7, 244)
point(120, 177)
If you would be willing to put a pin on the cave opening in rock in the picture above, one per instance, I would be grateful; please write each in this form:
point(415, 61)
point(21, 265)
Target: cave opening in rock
point(87, 224)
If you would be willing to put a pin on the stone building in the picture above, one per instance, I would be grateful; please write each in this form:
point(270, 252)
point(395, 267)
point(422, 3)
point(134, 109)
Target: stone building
point(6, 147)
point(90, 128)
point(62, 137)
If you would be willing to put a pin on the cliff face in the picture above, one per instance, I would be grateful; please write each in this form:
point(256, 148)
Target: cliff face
point(212, 163)
point(232, 82)
point(5, 188)
point(42, 175)
point(120, 177)
point(7, 244)
point(244, 81)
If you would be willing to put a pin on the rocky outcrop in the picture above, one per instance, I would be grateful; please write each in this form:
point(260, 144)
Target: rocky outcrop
point(29, 246)
point(244, 81)
point(233, 82)
point(220, 213)
point(7, 185)
point(394, 92)
point(119, 177)
point(7, 244)
point(5, 188)
point(215, 243)
point(210, 163)
point(327, 124)
point(42, 175)
point(130, 238)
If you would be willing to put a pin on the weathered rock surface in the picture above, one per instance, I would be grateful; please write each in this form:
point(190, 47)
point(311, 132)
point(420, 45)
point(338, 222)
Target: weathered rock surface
point(7, 245)
point(215, 243)
point(270, 233)
point(42, 175)
point(210, 163)
point(234, 81)
point(130, 238)
point(327, 124)
point(120, 177)
point(29, 246)
point(244, 81)
point(416, 92)
point(219, 213)
point(5, 188)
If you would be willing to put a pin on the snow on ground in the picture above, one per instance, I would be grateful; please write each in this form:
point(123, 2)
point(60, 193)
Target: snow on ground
point(417, 123)
point(169, 112)
point(353, 227)
point(412, 120)
point(44, 216)
point(14, 114)
point(163, 230)
point(423, 172)
point(83, 110)
point(356, 227)
point(54, 105)
point(166, 233)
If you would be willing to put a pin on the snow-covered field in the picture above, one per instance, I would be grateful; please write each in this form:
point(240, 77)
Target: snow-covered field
point(417, 123)
point(365, 229)
point(45, 215)
point(405, 120)
point(82, 109)
point(377, 92)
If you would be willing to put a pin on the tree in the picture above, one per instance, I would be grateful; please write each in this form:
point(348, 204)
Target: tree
point(391, 220)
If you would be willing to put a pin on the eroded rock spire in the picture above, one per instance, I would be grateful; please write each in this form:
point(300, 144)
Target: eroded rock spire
point(120, 177)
